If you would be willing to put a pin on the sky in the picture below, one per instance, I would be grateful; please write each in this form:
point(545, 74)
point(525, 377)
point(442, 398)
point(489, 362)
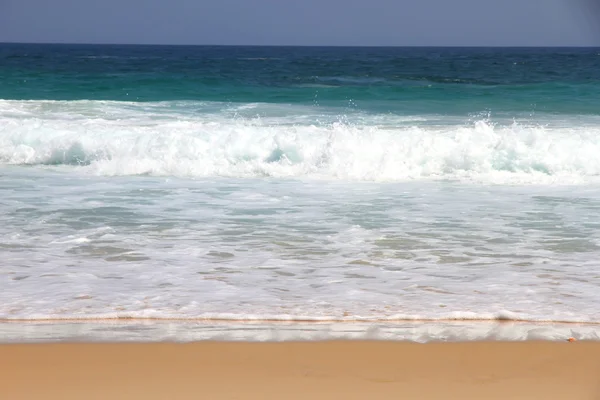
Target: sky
point(304, 22)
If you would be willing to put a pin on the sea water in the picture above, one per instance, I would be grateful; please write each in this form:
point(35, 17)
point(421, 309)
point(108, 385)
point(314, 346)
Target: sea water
point(340, 185)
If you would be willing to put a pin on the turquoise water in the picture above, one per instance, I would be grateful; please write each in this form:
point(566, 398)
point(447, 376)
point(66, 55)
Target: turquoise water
point(312, 184)
point(401, 81)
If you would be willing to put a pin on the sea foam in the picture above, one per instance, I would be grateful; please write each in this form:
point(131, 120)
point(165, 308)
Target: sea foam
point(210, 139)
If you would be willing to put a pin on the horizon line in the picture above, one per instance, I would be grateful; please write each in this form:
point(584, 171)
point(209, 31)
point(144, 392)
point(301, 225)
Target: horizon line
point(300, 45)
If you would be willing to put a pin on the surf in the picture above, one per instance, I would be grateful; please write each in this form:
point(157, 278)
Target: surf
point(208, 139)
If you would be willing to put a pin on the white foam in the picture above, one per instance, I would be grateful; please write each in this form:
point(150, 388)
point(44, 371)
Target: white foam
point(326, 249)
point(149, 314)
point(181, 331)
point(212, 139)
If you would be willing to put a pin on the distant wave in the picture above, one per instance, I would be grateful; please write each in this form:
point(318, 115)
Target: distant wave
point(400, 80)
point(111, 138)
point(351, 80)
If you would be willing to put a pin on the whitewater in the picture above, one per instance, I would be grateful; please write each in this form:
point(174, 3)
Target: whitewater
point(209, 211)
point(204, 139)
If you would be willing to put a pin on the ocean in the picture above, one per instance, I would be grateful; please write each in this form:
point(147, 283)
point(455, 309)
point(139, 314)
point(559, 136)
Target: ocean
point(360, 189)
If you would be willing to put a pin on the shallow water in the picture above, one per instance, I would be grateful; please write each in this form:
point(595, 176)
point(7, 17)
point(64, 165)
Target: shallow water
point(78, 246)
point(189, 331)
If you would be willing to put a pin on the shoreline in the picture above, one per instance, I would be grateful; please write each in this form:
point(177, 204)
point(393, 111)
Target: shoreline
point(299, 370)
point(257, 331)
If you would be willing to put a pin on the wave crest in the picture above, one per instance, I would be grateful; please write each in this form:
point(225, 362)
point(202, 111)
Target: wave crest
point(200, 145)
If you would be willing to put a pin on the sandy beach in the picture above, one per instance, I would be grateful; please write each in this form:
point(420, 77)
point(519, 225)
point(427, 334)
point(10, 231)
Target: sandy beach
point(301, 370)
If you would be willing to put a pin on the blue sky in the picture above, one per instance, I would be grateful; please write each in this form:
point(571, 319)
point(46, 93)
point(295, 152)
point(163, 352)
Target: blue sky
point(308, 22)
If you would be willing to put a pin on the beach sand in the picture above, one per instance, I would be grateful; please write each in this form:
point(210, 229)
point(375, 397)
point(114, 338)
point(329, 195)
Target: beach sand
point(302, 370)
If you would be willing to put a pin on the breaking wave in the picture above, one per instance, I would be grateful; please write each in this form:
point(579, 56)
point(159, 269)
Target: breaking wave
point(112, 138)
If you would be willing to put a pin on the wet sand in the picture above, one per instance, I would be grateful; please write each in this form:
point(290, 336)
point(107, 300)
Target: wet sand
point(308, 370)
